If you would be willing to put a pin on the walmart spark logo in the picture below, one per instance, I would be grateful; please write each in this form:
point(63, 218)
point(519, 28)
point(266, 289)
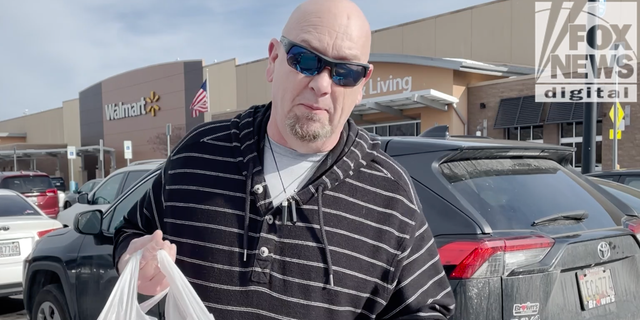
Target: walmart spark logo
point(151, 101)
point(115, 111)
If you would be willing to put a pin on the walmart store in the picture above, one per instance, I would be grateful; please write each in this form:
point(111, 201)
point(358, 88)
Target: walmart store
point(472, 69)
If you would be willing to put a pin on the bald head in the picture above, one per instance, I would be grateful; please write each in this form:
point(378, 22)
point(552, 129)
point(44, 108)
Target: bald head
point(336, 28)
point(310, 107)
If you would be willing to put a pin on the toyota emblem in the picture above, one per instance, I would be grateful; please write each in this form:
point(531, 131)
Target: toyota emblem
point(604, 251)
point(4, 228)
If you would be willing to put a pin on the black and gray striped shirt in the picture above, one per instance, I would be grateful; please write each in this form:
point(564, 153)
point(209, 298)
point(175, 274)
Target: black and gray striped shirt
point(357, 245)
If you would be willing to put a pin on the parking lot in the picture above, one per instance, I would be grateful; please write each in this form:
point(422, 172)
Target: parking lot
point(12, 309)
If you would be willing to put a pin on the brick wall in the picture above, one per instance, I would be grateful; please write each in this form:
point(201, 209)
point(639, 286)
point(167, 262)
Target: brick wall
point(491, 92)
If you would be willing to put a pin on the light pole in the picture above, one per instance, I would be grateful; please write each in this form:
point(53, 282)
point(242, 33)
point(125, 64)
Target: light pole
point(590, 107)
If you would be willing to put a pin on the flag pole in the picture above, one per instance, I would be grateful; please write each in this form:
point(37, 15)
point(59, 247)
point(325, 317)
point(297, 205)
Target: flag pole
point(208, 101)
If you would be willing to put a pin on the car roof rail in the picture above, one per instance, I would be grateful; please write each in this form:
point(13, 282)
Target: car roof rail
point(438, 132)
point(137, 163)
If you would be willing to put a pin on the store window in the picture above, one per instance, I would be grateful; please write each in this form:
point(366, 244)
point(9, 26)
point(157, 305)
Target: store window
point(571, 134)
point(528, 133)
point(395, 129)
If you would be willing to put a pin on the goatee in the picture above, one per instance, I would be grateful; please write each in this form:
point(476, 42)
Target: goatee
point(308, 128)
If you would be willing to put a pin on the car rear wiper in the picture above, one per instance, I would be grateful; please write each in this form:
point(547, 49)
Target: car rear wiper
point(579, 215)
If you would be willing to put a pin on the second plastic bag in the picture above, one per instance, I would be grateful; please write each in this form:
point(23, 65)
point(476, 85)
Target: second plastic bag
point(182, 301)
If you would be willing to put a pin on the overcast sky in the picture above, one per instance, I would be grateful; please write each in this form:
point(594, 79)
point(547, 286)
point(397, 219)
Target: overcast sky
point(51, 50)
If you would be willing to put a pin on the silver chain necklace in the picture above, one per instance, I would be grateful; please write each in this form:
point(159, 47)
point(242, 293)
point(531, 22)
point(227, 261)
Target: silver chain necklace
point(288, 201)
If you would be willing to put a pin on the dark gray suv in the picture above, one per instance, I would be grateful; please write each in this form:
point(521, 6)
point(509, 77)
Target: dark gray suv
point(521, 234)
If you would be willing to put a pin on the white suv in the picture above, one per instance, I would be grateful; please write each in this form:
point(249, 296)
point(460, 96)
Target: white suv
point(108, 190)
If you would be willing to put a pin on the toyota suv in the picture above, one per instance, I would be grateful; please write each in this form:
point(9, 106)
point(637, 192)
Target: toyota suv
point(108, 190)
point(35, 186)
point(520, 233)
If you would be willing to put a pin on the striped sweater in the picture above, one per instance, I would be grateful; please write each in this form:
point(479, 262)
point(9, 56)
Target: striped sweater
point(359, 246)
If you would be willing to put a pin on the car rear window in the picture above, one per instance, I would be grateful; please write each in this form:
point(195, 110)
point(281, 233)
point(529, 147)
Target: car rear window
point(58, 183)
point(26, 184)
point(12, 206)
point(513, 193)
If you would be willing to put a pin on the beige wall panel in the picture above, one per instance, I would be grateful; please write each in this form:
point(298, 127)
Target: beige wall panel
point(71, 113)
point(15, 125)
point(222, 86)
point(419, 39)
point(46, 127)
point(491, 35)
point(522, 33)
point(453, 35)
point(387, 41)
point(242, 86)
point(258, 89)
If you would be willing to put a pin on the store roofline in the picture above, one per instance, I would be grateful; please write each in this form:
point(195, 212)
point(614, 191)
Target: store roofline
point(220, 62)
point(453, 64)
point(439, 15)
point(252, 61)
point(69, 100)
point(140, 68)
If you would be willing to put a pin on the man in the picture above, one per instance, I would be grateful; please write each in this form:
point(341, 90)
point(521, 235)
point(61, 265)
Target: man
point(289, 210)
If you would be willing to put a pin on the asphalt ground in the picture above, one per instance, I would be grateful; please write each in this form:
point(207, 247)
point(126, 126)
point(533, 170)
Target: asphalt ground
point(11, 308)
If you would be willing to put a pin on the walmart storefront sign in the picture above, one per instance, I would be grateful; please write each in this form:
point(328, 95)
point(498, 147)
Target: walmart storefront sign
point(115, 111)
point(389, 85)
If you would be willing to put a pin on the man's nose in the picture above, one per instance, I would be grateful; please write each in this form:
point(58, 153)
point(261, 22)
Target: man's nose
point(321, 83)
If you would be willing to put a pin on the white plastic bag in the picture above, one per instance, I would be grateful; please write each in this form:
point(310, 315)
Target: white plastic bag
point(182, 301)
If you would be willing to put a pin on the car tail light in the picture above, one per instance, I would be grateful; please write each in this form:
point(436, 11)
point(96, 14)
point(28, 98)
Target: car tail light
point(51, 192)
point(633, 224)
point(494, 257)
point(42, 233)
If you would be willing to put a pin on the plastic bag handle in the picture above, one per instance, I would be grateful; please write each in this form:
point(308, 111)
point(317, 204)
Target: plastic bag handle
point(181, 291)
point(147, 305)
point(123, 298)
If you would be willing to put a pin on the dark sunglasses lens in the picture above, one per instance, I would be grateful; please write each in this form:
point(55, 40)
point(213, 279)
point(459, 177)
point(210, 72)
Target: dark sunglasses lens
point(304, 61)
point(348, 75)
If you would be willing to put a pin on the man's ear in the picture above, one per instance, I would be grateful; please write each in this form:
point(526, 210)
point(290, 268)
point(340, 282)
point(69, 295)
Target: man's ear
point(274, 46)
point(364, 82)
point(369, 73)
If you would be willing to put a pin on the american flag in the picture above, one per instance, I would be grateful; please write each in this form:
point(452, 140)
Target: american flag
point(200, 103)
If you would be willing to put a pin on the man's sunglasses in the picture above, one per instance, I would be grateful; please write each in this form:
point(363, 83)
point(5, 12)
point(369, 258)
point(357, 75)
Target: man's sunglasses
point(310, 63)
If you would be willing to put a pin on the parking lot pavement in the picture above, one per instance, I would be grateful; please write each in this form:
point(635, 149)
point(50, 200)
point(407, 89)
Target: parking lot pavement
point(12, 309)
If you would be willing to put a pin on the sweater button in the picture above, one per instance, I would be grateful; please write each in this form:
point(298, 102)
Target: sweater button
point(269, 219)
point(264, 251)
point(258, 189)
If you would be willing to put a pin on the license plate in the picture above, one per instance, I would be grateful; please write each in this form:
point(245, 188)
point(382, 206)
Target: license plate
point(596, 288)
point(33, 200)
point(9, 249)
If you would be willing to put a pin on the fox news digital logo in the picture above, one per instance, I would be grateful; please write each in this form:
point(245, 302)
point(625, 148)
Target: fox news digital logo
point(563, 70)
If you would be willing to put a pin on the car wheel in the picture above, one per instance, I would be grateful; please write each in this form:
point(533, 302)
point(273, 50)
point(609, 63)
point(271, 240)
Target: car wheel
point(67, 205)
point(50, 304)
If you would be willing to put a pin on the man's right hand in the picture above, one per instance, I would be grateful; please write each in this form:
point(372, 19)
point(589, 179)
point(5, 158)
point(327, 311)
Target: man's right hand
point(151, 281)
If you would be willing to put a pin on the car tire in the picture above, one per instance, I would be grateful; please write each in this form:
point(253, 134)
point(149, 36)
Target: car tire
point(50, 302)
point(67, 205)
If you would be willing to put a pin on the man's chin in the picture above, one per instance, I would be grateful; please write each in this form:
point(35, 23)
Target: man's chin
point(310, 133)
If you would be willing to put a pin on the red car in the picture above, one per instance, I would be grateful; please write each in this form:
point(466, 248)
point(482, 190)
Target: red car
point(35, 186)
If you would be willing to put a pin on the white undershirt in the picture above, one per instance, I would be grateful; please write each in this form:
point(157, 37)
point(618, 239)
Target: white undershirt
point(295, 169)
